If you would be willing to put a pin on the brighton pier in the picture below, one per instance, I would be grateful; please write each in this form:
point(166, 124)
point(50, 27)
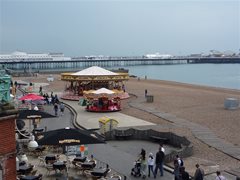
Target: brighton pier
point(57, 62)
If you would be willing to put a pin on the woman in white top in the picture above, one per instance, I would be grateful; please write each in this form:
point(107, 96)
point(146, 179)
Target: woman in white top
point(150, 164)
point(219, 176)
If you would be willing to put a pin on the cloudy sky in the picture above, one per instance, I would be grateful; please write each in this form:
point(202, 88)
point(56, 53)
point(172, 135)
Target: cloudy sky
point(119, 27)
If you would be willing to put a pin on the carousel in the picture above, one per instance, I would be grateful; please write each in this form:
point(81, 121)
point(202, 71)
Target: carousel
point(102, 100)
point(93, 78)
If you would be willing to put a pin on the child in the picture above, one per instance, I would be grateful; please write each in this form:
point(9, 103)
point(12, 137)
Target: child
point(150, 164)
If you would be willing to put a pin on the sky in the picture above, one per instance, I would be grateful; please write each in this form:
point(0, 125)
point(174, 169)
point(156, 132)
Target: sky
point(119, 27)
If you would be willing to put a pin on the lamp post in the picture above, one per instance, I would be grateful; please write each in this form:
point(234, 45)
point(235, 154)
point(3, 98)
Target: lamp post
point(32, 145)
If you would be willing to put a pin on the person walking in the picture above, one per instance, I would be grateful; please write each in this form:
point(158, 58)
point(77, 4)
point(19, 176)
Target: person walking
point(159, 162)
point(62, 107)
point(219, 176)
point(142, 160)
point(55, 107)
point(176, 171)
point(150, 164)
point(183, 175)
point(145, 92)
point(162, 148)
point(199, 173)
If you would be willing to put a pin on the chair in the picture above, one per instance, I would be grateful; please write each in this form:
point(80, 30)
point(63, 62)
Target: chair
point(116, 176)
point(108, 170)
point(40, 177)
point(49, 168)
point(41, 160)
point(87, 173)
point(33, 173)
point(74, 163)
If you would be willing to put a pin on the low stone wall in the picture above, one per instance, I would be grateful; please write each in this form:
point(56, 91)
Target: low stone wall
point(184, 145)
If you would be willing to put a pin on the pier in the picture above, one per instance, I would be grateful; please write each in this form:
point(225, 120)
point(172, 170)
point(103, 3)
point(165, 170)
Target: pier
point(23, 65)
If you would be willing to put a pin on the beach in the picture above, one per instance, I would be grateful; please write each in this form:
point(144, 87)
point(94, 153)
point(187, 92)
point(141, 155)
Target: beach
point(199, 104)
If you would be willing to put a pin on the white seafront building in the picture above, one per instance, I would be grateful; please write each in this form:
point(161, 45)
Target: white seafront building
point(18, 56)
point(158, 56)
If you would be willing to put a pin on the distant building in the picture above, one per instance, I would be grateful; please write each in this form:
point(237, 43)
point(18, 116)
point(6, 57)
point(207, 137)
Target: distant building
point(23, 56)
point(158, 56)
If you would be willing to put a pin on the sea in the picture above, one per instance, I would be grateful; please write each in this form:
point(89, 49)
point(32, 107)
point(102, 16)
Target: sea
point(214, 75)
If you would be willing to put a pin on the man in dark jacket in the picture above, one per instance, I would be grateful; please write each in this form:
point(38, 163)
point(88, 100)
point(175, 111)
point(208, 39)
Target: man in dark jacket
point(183, 175)
point(159, 162)
point(199, 173)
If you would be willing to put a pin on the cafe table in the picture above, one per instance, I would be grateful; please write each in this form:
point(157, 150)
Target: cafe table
point(25, 169)
point(30, 178)
point(59, 165)
point(50, 158)
point(80, 159)
point(99, 172)
point(88, 165)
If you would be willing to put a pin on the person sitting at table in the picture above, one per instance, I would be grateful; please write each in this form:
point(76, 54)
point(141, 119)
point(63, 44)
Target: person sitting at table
point(92, 160)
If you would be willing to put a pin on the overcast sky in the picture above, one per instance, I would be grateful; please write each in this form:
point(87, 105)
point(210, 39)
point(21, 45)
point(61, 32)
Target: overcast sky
point(119, 27)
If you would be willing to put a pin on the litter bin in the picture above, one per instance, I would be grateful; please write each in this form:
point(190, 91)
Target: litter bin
point(231, 103)
point(149, 98)
point(107, 124)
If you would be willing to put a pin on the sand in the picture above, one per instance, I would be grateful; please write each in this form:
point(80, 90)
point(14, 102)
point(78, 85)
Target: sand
point(198, 104)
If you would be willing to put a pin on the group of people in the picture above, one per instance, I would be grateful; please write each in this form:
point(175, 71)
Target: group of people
point(59, 106)
point(179, 169)
point(151, 162)
point(52, 99)
point(155, 163)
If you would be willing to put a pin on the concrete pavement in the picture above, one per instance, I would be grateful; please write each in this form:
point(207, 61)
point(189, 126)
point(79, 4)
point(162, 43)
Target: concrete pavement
point(89, 120)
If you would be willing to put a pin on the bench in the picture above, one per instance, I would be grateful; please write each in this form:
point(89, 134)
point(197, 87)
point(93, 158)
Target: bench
point(159, 139)
point(123, 136)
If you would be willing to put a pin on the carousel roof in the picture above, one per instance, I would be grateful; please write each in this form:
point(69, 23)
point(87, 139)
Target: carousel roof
point(103, 91)
point(94, 71)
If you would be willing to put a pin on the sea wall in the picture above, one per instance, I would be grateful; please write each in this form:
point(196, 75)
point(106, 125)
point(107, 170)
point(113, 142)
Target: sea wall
point(184, 146)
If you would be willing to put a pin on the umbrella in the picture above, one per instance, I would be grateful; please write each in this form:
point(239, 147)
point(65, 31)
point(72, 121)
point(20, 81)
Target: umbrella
point(31, 97)
point(70, 137)
point(24, 113)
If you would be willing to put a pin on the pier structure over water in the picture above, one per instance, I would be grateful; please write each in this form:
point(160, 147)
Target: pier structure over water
point(77, 63)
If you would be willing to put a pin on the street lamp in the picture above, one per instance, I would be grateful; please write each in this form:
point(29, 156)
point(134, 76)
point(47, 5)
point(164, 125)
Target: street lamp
point(32, 145)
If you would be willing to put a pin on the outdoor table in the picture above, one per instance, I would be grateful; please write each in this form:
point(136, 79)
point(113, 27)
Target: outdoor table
point(88, 165)
point(40, 148)
point(38, 130)
point(99, 172)
point(22, 163)
point(30, 178)
point(50, 158)
point(80, 159)
point(59, 165)
point(25, 169)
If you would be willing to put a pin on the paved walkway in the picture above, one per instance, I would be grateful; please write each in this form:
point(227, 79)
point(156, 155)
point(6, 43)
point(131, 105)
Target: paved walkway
point(89, 120)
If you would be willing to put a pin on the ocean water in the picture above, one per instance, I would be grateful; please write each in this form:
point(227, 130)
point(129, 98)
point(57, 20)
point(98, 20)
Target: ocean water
point(215, 75)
